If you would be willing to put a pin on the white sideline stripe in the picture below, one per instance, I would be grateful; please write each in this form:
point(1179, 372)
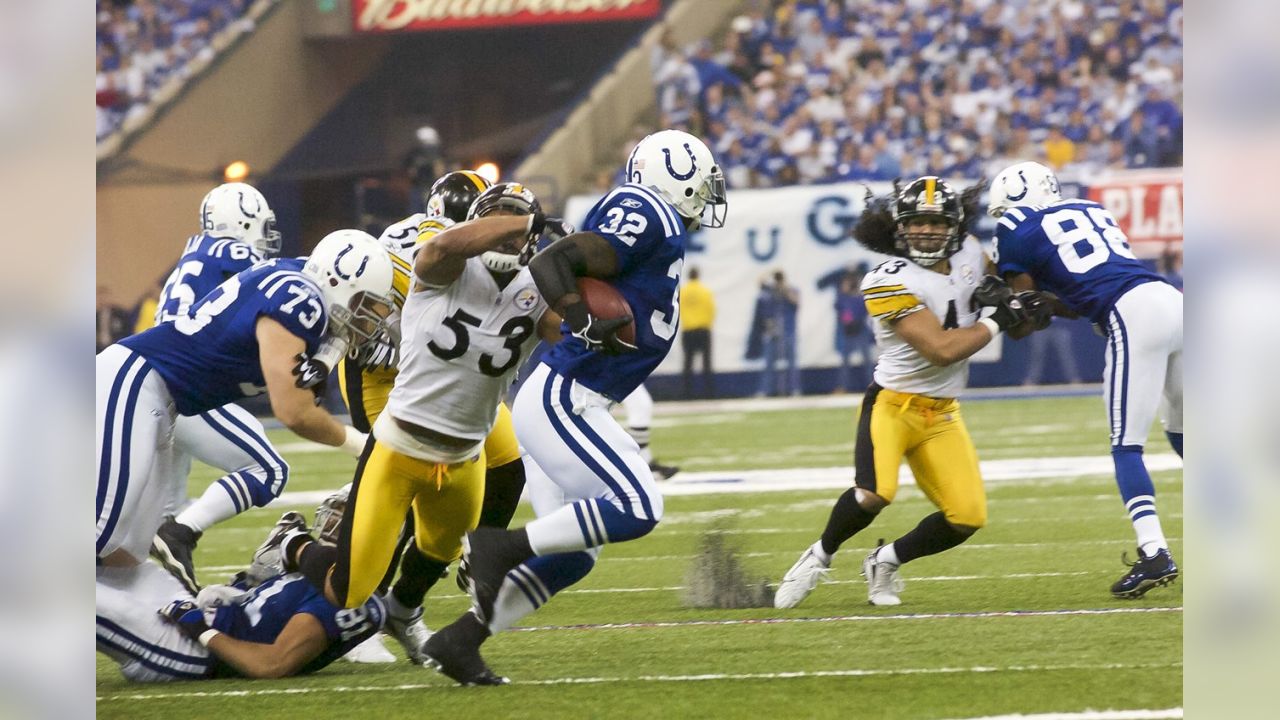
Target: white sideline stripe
point(1170, 714)
point(799, 674)
point(823, 478)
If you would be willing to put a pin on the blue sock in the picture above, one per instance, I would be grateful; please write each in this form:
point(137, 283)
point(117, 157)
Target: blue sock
point(1139, 495)
point(532, 583)
point(1175, 439)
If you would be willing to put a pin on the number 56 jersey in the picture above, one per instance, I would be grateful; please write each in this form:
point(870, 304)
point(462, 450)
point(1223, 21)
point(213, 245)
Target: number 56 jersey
point(460, 347)
point(896, 288)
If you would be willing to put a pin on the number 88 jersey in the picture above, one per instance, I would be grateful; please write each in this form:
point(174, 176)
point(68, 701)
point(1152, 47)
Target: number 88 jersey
point(1074, 249)
point(460, 348)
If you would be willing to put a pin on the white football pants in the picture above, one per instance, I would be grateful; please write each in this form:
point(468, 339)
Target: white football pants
point(131, 632)
point(231, 439)
point(1144, 363)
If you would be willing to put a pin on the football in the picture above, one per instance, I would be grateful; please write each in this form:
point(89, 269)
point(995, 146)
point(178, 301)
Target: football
point(605, 302)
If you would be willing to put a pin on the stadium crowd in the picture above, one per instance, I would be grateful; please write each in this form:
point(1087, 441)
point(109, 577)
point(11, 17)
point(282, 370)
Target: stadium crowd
point(144, 44)
point(812, 91)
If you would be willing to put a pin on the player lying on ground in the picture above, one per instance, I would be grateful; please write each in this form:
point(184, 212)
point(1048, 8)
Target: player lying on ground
point(264, 625)
point(928, 303)
point(587, 480)
point(239, 340)
point(468, 323)
point(1075, 249)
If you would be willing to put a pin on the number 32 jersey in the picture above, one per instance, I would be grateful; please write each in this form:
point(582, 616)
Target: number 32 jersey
point(896, 288)
point(460, 347)
point(209, 356)
point(1074, 249)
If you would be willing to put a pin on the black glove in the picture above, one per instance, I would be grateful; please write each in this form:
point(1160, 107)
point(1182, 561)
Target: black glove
point(598, 335)
point(992, 291)
point(1038, 308)
point(311, 374)
point(557, 228)
point(187, 616)
point(377, 354)
point(1009, 313)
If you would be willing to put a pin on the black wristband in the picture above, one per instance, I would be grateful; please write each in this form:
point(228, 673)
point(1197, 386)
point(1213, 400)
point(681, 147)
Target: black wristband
point(576, 315)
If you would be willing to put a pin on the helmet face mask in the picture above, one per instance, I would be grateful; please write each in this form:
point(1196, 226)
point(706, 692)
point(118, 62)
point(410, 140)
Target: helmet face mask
point(507, 199)
point(239, 211)
point(329, 515)
point(452, 195)
point(1026, 183)
point(928, 214)
point(680, 168)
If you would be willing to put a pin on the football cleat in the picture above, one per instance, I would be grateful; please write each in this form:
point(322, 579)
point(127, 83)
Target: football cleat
point(268, 559)
point(663, 472)
point(174, 547)
point(370, 651)
point(454, 651)
point(801, 579)
point(489, 554)
point(883, 582)
point(1145, 574)
point(410, 632)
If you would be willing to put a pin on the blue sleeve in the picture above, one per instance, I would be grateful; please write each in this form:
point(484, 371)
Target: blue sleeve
point(1011, 255)
point(635, 221)
point(296, 304)
point(324, 611)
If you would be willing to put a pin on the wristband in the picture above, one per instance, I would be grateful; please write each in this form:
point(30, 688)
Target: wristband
point(992, 325)
point(355, 442)
point(207, 635)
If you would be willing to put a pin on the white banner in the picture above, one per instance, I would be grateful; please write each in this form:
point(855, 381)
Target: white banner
point(804, 232)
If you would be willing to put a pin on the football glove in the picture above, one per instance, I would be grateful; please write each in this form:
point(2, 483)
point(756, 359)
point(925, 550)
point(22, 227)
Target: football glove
point(557, 228)
point(377, 354)
point(992, 291)
point(1038, 308)
point(598, 335)
point(311, 374)
point(187, 616)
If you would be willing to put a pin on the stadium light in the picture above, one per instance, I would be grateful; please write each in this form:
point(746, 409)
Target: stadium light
point(488, 171)
point(236, 172)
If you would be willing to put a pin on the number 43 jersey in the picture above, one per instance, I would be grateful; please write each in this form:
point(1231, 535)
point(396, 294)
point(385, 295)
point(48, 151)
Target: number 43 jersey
point(1074, 249)
point(898, 287)
point(460, 347)
point(209, 356)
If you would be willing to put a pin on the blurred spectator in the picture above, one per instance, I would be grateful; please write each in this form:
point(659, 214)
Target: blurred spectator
point(853, 334)
point(112, 320)
point(1055, 340)
point(776, 309)
point(697, 314)
point(1059, 151)
point(423, 164)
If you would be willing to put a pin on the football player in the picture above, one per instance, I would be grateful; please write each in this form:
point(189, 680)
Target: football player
point(237, 231)
point(238, 341)
point(587, 480)
point(1075, 249)
point(927, 301)
point(264, 625)
point(470, 319)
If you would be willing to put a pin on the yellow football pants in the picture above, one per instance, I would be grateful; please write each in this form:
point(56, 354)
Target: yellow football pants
point(446, 501)
point(931, 435)
point(366, 393)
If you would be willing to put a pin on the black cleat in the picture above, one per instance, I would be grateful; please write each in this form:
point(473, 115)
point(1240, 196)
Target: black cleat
point(663, 472)
point(489, 554)
point(174, 547)
point(454, 651)
point(1145, 574)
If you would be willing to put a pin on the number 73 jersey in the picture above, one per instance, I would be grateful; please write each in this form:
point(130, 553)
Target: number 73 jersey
point(460, 348)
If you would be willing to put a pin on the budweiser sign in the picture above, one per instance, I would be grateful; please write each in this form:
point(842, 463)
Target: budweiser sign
point(393, 15)
point(1146, 204)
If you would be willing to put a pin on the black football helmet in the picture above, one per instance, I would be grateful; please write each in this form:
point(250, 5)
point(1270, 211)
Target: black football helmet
point(508, 198)
point(927, 198)
point(453, 193)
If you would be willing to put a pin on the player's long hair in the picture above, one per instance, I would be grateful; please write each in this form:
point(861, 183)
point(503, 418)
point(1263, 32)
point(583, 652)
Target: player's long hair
point(877, 229)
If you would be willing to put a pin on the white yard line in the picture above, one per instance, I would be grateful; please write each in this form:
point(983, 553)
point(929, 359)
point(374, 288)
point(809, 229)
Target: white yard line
point(1169, 714)
point(794, 675)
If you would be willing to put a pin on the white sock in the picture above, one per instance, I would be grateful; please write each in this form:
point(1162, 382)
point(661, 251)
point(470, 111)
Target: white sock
point(556, 532)
point(394, 606)
point(509, 607)
point(1150, 536)
point(822, 554)
point(211, 508)
point(887, 554)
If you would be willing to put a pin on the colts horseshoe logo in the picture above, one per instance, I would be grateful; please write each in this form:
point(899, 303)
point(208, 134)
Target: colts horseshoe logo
point(337, 263)
point(1025, 188)
point(693, 163)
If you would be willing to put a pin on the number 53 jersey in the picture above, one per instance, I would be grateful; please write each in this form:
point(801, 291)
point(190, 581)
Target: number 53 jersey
point(209, 357)
point(898, 287)
point(460, 347)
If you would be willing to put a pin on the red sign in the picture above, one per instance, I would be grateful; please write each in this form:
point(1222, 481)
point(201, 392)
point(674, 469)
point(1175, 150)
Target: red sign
point(1146, 204)
point(393, 15)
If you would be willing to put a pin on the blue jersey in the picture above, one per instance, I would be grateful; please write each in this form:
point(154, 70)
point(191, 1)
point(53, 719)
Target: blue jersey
point(263, 612)
point(209, 356)
point(649, 238)
point(205, 264)
point(1074, 249)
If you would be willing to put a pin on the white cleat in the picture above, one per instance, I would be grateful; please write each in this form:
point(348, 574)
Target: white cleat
point(883, 582)
point(801, 579)
point(410, 632)
point(370, 651)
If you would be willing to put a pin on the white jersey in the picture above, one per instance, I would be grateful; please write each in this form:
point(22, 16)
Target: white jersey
point(460, 347)
point(899, 287)
point(402, 241)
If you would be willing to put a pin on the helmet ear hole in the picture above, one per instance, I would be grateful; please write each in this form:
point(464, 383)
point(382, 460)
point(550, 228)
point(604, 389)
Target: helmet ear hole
point(333, 282)
point(688, 192)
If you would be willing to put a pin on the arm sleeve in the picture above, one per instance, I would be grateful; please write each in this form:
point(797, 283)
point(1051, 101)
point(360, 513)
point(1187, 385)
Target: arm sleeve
point(296, 304)
point(887, 299)
point(1009, 248)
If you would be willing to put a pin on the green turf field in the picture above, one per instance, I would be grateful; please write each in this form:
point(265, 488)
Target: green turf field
point(1018, 620)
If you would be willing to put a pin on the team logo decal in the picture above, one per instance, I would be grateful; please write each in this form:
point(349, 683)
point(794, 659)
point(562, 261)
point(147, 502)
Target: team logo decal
point(337, 263)
point(631, 203)
point(967, 273)
point(526, 298)
point(693, 163)
point(1025, 188)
